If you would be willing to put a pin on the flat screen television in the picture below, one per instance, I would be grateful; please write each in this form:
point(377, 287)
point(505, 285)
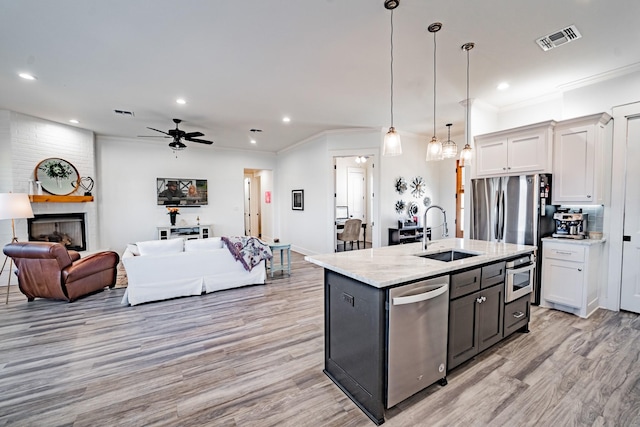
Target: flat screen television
point(181, 192)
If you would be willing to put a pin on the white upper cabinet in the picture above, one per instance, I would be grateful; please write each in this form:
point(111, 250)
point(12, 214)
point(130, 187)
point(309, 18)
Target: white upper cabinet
point(582, 160)
point(516, 151)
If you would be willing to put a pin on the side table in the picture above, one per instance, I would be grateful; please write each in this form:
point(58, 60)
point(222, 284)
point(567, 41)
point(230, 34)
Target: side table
point(282, 247)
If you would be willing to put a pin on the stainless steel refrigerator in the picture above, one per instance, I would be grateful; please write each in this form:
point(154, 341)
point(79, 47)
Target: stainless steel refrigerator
point(513, 209)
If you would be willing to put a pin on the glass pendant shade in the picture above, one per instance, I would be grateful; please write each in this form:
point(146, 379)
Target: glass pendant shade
point(466, 155)
point(449, 148)
point(392, 145)
point(434, 150)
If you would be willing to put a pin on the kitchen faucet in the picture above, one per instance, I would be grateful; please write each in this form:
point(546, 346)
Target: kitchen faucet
point(445, 232)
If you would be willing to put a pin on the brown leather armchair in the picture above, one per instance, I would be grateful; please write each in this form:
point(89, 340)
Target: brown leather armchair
point(48, 270)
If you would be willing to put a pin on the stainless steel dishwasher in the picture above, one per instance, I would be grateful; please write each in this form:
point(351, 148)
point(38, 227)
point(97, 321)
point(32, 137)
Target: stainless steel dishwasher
point(418, 327)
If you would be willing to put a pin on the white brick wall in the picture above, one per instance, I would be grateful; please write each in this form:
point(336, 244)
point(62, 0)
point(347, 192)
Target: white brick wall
point(32, 140)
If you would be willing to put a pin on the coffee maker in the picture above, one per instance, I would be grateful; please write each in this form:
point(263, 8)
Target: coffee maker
point(570, 225)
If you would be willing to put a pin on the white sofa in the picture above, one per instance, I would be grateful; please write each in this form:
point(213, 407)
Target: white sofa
point(163, 269)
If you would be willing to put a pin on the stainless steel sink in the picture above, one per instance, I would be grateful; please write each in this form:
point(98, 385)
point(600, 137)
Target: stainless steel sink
point(450, 255)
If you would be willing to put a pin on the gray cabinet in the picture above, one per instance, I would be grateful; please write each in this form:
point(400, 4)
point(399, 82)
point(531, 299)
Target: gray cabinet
point(476, 312)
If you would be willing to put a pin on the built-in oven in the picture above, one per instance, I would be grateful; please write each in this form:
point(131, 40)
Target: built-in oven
point(520, 277)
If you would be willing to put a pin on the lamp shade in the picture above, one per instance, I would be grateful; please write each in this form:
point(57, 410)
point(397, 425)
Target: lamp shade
point(15, 206)
point(434, 150)
point(392, 145)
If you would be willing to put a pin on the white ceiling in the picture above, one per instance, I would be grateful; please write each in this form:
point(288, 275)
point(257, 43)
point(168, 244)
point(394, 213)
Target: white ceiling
point(243, 64)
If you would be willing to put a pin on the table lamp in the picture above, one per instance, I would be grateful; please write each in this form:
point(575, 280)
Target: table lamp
point(13, 206)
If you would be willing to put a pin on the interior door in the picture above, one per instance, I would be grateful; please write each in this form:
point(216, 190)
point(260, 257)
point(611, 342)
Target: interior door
point(630, 290)
point(356, 192)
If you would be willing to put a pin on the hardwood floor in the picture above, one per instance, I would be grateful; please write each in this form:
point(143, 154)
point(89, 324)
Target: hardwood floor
point(254, 356)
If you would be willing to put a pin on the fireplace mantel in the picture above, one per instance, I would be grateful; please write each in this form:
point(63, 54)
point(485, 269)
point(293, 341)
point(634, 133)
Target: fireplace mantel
point(50, 198)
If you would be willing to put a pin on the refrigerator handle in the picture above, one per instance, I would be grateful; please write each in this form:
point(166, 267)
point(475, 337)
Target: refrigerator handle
point(501, 215)
point(496, 230)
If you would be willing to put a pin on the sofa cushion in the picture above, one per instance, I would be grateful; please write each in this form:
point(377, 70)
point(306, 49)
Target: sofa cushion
point(133, 248)
point(202, 244)
point(160, 247)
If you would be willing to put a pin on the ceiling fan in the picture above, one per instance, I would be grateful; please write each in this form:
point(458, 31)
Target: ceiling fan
point(178, 134)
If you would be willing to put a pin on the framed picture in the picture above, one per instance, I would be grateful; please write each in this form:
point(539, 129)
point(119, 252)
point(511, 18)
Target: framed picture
point(297, 200)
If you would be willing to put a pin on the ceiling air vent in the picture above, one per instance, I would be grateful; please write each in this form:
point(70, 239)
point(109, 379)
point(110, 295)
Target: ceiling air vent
point(559, 38)
point(124, 113)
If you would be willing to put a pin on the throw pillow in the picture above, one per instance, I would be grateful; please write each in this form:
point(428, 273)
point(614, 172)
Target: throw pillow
point(160, 247)
point(203, 244)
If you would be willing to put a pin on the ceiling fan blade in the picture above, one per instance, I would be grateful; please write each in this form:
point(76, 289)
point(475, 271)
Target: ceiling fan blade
point(152, 136)
point(193, 134)
point(202, 141)
point(158, 130)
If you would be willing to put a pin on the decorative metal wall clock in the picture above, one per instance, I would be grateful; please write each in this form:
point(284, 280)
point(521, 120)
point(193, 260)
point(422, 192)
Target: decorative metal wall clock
point(401, 185)
point(413, 209)
point(426, 201)
point(417, 186)
point(400, 205)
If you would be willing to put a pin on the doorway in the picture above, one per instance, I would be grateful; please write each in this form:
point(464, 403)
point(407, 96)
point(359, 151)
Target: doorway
point(258, 211)
point(353, 196)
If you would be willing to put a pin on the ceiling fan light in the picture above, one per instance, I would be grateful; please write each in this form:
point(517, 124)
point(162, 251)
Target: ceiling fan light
point(392, 145)
point(434, 150)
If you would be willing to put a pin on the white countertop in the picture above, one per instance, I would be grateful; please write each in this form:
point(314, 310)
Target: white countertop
point(583, 242)
point(390, 265)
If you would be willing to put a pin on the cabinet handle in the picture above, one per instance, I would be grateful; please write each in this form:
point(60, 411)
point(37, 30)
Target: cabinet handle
point(563, 253)
point(480, 300)
point(504, 169)
point(579, 269)
point(588, 196)
point(518, 314)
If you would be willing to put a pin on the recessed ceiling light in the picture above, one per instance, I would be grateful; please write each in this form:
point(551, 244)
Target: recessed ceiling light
point(252, 138)
point(503, 86)
point(74, 121)
point(253, 141)
point(181, 101)
point(27, 76)
point(286, 119)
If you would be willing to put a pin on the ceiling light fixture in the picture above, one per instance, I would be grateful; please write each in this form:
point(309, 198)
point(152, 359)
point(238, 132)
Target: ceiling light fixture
point(503, 86)
point(434, 148)
point(392, 146)
point(286, 119)
point(467, 153)
point(449, 148)
point(181, 101)
point(361, 159)
point(74, 121)
point(28, 76)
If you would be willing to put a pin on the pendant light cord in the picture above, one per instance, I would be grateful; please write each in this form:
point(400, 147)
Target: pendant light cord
point(468, 96)
point(391, 67)
point(434, 84)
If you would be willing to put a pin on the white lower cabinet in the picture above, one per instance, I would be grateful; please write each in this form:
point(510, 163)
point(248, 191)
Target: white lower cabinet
point(570, 275)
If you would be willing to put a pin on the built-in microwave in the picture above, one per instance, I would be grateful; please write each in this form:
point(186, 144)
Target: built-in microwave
point(520, 277)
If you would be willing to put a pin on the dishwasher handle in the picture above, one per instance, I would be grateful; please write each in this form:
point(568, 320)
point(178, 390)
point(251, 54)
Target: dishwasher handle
point(421, 297)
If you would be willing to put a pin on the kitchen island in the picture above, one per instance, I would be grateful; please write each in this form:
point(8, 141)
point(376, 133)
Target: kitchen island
point(362, 333)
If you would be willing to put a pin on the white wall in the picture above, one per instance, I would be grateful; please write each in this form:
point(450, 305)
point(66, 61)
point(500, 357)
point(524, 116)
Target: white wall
point(127, 179)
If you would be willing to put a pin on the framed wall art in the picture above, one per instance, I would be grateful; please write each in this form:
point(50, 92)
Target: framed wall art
point(297, 200)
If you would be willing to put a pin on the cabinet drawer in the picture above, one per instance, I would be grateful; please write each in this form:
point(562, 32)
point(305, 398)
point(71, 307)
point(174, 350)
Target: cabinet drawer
point(492, 274)
point(465, 283)
point(564, 251)
point(516, 314)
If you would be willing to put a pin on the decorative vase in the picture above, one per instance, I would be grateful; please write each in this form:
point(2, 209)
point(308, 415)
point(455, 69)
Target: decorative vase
point(172, 217)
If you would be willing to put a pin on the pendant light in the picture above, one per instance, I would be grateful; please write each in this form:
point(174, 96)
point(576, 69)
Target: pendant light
point(434, 148)
point(467, 153)
point(392, 145)
point(449, 148)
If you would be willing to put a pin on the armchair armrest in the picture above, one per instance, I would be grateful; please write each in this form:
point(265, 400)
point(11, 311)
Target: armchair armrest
point(90, 265)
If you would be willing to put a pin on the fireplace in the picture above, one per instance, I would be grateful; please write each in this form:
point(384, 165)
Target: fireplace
point(68, 229)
